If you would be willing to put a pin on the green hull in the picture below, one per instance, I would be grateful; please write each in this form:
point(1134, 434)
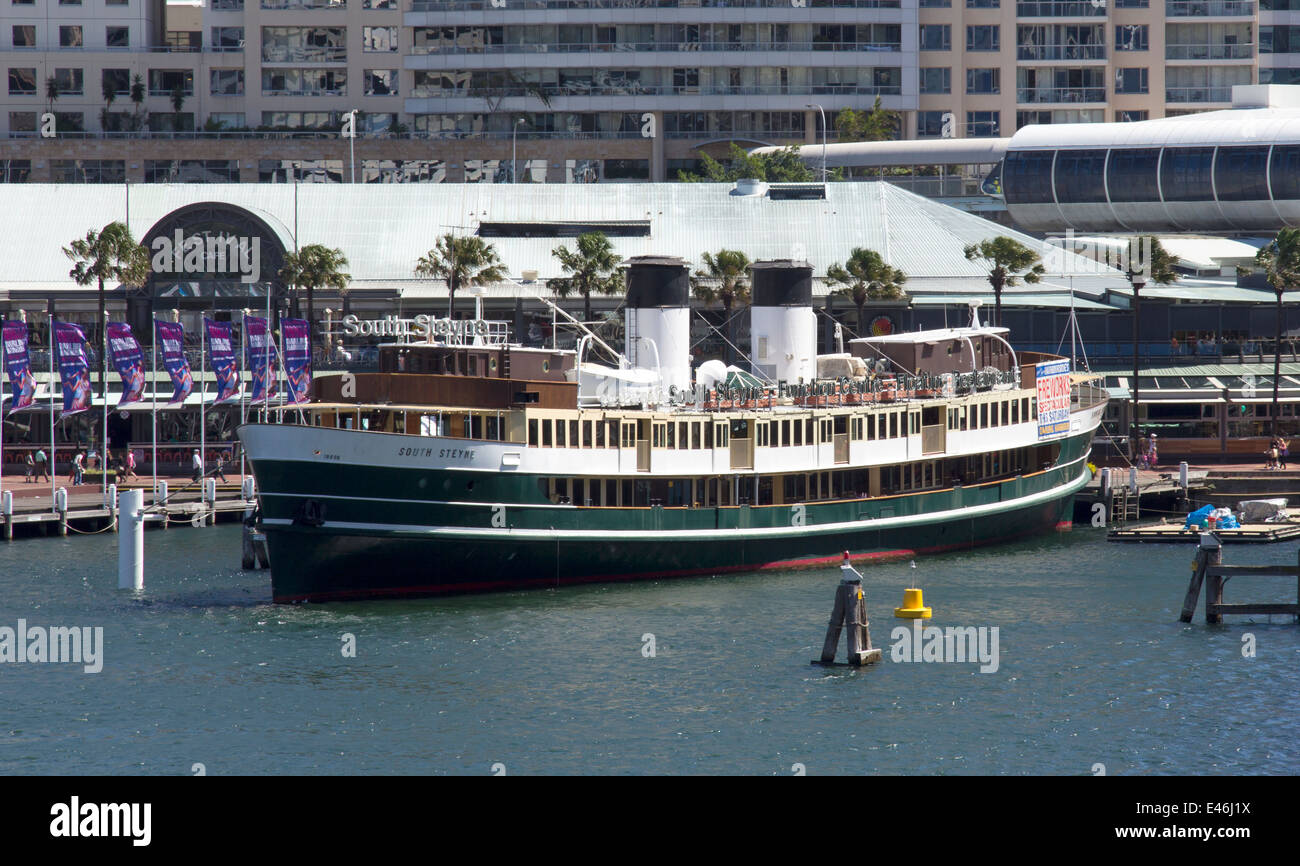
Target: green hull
point(363, 532)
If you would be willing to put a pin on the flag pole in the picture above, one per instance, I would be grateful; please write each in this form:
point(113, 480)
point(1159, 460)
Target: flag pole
point(54, 472)
point(153, 355)
point(2, 401)
point(243, 417)
point(103, 389)
point(203, 395)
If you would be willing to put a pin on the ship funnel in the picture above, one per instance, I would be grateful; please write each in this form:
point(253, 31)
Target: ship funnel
point(783, 329)
point(657, 318)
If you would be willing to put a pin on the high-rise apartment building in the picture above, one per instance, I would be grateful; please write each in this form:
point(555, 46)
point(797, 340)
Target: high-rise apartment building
point(581, 90)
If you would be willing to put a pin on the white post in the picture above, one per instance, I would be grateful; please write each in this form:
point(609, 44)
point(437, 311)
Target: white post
point(1105, 483)
point(160, 492)
point(61, 500)
point(7, 503)
point(247, 489)
point(110, 496)
point(130, 544)
point(1182, 475)
point(1133, 480)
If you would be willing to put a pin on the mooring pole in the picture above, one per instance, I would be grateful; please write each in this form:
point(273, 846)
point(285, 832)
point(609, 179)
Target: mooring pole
point(849, 612)
point(130, 539)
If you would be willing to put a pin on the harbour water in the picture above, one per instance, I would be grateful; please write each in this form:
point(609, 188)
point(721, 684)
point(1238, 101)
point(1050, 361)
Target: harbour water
point(1094, 669)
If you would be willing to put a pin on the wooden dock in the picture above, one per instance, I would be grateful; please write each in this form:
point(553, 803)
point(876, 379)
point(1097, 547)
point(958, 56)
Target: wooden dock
point(1250, 533)
point(87, 512)
point(1209, 568)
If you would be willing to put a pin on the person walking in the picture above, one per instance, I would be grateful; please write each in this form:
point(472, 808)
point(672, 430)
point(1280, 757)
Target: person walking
point(42, 467)
point(29, 468)
point(130, 465)
point(196, 464)
point(1283, 447)
point(78, 469)
point(220, 471)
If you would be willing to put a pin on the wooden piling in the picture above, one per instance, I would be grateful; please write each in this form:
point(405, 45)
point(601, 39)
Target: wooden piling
point(849, 613)
point(1210, 567)
point(248, 559)
point(1194, 587)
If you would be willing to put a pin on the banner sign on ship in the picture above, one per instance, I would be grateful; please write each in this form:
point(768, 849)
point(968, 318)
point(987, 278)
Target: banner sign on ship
point(73, 372)
point(261, 357)
point(221, 351)
point(19, 364)
point(171, 339)
point(1053, 378)
point(129, 361)
point(297, 358)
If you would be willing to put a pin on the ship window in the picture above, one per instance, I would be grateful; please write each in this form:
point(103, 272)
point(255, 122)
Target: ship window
point(612, 440)
point(984, 415)
point(1015, 411)
point(559, 434)
point(546, 366)
point(1185, 174)
point(808, 431)
point(1027, 177)
point(671, 441)
point(573, 434)
point(532, 432)
point(893, 425)
point(586, 434)
point(1285, 172)
point(1024, 408)
point(1241, 174)
point(871, 427)
point(695, 434)
point(1080, 176)
point(546, 433)
point(798, 433)
point(785, 433)
point(993, 421)
point(1006, 416)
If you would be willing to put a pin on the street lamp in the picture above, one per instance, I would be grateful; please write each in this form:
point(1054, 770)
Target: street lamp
point(1138, 280)
point(514, 150)
point(818, 106)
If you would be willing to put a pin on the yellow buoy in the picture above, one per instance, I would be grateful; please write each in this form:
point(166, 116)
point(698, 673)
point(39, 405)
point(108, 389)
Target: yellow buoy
point(913, 606)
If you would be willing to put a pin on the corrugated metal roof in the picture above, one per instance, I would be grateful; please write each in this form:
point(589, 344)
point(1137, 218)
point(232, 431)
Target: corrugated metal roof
point(384, 228)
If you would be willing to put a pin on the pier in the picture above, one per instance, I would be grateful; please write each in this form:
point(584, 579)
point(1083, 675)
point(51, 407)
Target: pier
point(1209, 568)
point(35, 511)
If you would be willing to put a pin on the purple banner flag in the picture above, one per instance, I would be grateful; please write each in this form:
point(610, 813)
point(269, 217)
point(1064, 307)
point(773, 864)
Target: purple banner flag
point(261, 358)
point(171, 340)
point(124, 348)
point(19, 364)
point(296, 334)
point(221, 351)
point(73, 372)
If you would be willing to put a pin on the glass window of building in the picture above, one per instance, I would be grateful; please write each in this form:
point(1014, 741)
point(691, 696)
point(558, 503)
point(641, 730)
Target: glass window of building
point(16, 170)
point(936, 37)
point(22, 121)
point(287, 44)
point(982, 37)
point(381, 82)
point(936, 79)
point(165, 82)
point(22, 81)
point(378, 4)
point(1132, 79)
point(982, 4)
point(226, 82)
point(1185, 174)
point(24, 35)
point(929, 124)
point(1080, 176)
point(228, 119)
point(378, 38)
point(1131, 37)
point(1284, 170)
point(117, 37)
point(70, 81)
point(115, 81)
point(88, 170)
point(1027, 176)
point(983, 124)
point(1130, 116)
point(70, 36)
point(1133, 174)
point(69, 121)
point(983, 80)
point(1241, 174)
point(227, 38)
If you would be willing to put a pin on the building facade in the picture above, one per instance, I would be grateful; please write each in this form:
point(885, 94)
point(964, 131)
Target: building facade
point(569, 91)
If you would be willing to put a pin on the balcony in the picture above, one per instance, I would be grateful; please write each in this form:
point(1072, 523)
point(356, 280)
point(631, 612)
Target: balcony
point(1061, 52)
point(297, 54)
point(1041, 95)
point(603, 47)
point(636, 88)
point(1067, 9)
point(1210, 8)
point(480, 5)
point(1210, 52)
point(1198, 94)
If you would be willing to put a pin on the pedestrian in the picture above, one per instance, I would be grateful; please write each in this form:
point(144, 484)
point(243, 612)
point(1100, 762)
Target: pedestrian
point(1272, 454)
point(196, 464)
point(42, 467)
point(130, 464)
point(30, 468)
point(1283, 447)
point(1173, 346)
point(78, 469)
point(220, 471)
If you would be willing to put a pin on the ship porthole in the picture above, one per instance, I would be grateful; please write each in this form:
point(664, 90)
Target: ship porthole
point(546, 366)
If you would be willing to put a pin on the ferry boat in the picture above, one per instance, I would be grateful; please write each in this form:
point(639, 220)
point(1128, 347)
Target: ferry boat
point(469, 464)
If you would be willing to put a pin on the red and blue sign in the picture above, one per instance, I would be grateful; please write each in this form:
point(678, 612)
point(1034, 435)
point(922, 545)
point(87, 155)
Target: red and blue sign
point(19, 365)
point(262, 357)
point(127, 357)
point(171, 341)
point(225, 364)
point(74, 375)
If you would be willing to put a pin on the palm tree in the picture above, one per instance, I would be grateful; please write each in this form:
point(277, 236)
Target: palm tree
point(313, 267)
point(723, 278)
point(866, 276)
point(1157, 267)
point(1009, 262)
point(137, 98)
point(461, 261)
point(591, 268)
point(1281, 263)
point(108, 254)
